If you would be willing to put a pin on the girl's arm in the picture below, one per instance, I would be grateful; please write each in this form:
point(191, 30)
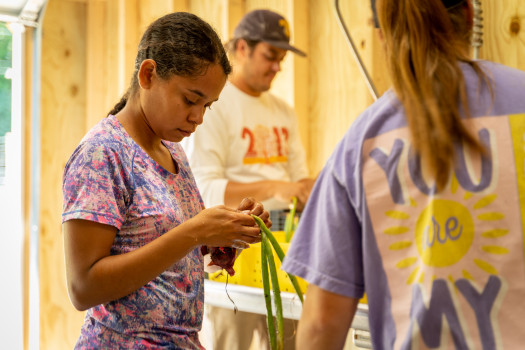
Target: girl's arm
point(95, 277)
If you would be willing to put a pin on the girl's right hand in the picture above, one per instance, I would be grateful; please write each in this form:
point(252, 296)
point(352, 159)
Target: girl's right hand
point(221, 226)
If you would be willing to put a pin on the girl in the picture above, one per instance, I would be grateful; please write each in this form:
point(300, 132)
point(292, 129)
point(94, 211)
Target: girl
point(133, 218)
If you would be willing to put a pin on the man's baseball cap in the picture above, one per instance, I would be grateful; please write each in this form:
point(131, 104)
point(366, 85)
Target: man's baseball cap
point(267, 26)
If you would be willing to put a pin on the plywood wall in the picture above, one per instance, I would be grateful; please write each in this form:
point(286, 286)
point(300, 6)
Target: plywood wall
point(504, 32)
point(87, 61)
point(337, 90)
point(63, 123)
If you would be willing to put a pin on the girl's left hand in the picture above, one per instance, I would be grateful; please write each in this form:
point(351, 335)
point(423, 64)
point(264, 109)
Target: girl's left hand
point(251, 207)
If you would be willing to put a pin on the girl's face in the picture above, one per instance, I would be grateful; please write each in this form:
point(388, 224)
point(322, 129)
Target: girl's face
point(174, 108)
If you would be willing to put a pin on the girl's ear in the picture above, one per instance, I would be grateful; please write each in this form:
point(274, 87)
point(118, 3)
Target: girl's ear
point(146, 73)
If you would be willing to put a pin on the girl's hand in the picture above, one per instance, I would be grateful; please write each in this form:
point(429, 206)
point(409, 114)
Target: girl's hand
point(251, 206)
point(221, 226)
point(224, 256)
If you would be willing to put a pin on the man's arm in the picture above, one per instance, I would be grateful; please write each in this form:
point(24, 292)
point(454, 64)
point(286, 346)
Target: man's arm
point(266, 189)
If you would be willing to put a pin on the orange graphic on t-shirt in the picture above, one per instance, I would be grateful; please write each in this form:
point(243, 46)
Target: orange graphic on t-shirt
point(266, 145)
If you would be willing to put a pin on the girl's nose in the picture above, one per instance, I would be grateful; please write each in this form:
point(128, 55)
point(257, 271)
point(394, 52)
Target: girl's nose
point(196, 115)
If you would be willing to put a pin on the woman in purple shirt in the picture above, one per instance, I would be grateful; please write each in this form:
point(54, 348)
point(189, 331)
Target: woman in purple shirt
point(133, 218)
point(422, 204)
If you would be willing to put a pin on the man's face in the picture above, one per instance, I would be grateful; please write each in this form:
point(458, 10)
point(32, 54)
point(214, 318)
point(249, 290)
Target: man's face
point(260, 66)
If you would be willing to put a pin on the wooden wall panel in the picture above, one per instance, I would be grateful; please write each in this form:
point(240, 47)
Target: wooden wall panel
point(299, 21)
point(129, 34)
point(338, 93)
point(97, 51)
point(504, 32)
point(233, 12)
point(111, 48)
point(88, 52)
point(181, 5)
point(150, 10)
point(213, 12)
point(63, 125)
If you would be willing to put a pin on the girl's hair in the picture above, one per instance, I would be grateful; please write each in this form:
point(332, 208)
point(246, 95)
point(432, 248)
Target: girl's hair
point(425, 44)
point(181, 44)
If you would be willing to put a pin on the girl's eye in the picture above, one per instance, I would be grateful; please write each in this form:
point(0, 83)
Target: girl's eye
point(188, 101)
point(208, 106)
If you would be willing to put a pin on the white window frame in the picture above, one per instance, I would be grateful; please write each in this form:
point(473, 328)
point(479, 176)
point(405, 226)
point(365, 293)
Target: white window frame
point(18, 15)
point(11, 250)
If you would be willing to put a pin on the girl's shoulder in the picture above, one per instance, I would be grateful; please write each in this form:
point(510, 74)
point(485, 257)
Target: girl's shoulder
point(106, 142)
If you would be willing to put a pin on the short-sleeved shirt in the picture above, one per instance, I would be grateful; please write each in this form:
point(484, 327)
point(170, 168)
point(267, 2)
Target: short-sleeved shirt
point(109, 179)
point(440, 270)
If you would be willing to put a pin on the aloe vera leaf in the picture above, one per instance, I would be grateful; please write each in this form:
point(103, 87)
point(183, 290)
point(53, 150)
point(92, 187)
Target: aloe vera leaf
point(280, 254)
point(276, 294)
point(288, 227)
point(267, 295)
point(271, 237)
point(289, 224)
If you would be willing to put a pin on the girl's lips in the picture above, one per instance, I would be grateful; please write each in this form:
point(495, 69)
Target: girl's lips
point(185, 133)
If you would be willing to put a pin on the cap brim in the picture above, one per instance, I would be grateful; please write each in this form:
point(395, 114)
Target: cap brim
point(285, 46)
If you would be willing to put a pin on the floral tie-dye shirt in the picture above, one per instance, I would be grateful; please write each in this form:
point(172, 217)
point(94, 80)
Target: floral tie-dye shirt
point(111, 180)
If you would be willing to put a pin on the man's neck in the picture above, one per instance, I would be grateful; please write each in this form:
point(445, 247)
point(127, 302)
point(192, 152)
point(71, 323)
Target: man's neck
point(240, 84)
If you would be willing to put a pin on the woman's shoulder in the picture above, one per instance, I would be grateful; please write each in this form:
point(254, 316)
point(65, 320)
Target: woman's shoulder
point(499, 68)
point(506, 93)
point(385, 114)
point(107, 129)
point(105, 140)
point(109, 133)
point(502, 75)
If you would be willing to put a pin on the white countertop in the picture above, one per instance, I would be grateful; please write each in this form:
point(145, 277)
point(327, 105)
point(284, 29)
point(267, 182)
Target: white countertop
point(251, 299)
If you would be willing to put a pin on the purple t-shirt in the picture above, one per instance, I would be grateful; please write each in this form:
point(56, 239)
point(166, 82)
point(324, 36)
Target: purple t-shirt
point(111, 180)
point(439, 271)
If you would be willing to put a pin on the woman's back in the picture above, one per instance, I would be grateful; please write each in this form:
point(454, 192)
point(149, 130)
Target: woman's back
point(449, 259)
point(422, 204)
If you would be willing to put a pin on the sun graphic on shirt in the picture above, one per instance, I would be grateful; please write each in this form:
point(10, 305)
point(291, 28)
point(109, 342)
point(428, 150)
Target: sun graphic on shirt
point(444, 233)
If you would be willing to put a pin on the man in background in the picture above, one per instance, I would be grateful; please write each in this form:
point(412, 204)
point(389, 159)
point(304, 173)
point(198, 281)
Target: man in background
point(249, 145)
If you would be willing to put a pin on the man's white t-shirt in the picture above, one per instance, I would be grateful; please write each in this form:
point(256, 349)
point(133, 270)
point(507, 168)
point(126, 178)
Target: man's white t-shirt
point(245, 139)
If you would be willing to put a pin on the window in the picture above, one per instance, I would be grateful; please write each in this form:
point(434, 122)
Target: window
point(11, 181)
point(6, 41)
point(16, 16)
